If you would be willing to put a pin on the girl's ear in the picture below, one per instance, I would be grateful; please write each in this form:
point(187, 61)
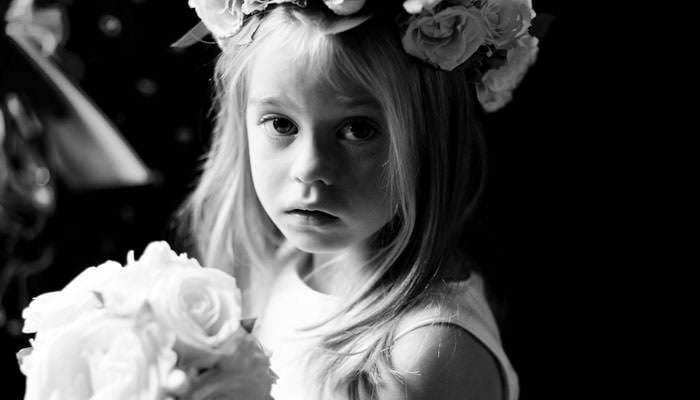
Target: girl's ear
point(441, 362)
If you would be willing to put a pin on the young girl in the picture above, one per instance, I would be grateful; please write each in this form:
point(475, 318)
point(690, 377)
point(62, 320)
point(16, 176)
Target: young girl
point(345, 164)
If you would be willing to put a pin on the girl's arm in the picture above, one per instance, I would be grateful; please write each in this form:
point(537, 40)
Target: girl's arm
point(442, 362)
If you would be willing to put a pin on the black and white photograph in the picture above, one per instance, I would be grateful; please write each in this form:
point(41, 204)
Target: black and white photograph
point(293, 200)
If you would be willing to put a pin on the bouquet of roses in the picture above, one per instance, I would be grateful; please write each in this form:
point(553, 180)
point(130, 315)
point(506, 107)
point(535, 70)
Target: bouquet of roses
point(160, 327)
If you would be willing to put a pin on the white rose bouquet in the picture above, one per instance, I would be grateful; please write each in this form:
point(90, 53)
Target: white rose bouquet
point(160, 327)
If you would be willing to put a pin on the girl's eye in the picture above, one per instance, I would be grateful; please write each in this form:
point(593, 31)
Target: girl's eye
point(358, 131)
point(280, 126)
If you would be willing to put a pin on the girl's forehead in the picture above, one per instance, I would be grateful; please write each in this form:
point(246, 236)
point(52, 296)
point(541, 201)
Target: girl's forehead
point(279, 67)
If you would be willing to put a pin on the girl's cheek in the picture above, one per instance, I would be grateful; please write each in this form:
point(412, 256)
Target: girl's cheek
point(268, 166)
point(263, 145)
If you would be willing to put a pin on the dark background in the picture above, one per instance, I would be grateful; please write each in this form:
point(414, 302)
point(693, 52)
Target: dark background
point(534, 229)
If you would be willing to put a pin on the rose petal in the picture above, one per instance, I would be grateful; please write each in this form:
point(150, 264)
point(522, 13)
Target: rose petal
point(446, 39)
point(344, 7)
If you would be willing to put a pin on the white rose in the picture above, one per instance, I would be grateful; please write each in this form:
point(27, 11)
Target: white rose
point(160, 255)
point(446, 39)
point(250, 6)
point(128, 292)
point(507, 20)
point(518, 60)
point(492, 101)
point(78, 297)
point(222, 17)
point(102, 357)
point(497, 84)
point(203, 307)
point(244, 374)
point(344, 7)
point(416, 6)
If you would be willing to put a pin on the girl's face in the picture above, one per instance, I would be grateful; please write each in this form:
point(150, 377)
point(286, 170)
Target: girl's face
point(317, 155)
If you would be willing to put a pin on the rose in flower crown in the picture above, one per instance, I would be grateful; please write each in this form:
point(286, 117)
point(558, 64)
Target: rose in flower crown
point(506, 20)
point(482, 35)
point(446, 38)
point(222, 18)
point(159, 327)
point(345, 7)
point(447, 33)
point(498, 84)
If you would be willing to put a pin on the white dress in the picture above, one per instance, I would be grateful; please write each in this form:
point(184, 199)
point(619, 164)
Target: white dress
point(293, 305)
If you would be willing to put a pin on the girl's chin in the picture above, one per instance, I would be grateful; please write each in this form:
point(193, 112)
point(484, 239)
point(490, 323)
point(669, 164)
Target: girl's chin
point(317, 245)
point(319, 242)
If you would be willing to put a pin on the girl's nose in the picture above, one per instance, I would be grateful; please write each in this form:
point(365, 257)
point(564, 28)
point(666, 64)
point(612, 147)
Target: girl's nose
point(313, 161)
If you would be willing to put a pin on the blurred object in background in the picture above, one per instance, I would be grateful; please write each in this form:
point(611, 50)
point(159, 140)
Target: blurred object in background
point(50, 132)
point(83, 146)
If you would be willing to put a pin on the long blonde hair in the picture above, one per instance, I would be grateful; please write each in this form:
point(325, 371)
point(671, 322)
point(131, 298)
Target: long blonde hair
point(435, 172)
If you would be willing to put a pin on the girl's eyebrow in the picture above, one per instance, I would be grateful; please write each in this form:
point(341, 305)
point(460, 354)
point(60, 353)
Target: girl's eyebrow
point(285, 101)
point(277, 101)
point(358, 102)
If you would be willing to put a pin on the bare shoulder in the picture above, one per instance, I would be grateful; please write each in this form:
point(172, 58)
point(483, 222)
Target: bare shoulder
point(441, 362)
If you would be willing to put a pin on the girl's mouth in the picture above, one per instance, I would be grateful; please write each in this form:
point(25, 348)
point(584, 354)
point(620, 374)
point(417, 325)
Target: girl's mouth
point(313, 217)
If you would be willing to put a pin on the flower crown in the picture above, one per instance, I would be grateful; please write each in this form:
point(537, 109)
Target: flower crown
point(488, 39)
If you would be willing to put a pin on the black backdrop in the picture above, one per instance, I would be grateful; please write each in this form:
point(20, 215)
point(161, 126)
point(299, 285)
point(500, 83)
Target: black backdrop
point(533, 225)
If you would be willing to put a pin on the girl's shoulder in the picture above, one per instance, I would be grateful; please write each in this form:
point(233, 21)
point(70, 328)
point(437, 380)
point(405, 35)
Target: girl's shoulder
point(450, 343)
point(443, 362)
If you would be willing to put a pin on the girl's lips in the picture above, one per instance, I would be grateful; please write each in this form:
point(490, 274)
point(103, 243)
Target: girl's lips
point(313, 217)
